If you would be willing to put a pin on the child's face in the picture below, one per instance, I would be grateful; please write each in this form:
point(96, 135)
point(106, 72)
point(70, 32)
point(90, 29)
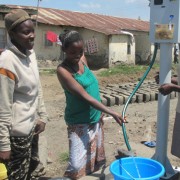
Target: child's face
point(74, 52)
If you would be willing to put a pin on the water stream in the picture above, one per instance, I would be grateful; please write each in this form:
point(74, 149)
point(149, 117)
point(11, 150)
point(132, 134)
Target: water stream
point(137, 169)
point(136, 166)
point(127, 172)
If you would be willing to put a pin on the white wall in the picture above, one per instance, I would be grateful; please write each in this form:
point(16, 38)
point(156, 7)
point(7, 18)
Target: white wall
point(118, 49)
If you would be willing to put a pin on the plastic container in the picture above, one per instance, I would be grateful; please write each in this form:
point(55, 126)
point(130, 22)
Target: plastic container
point(137, 168)
point(3, 172)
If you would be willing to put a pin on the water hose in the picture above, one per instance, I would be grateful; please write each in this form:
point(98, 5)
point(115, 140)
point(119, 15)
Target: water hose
point(132, 94)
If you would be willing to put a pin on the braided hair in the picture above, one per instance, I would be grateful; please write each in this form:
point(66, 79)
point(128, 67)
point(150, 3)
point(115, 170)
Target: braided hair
point(68, 37)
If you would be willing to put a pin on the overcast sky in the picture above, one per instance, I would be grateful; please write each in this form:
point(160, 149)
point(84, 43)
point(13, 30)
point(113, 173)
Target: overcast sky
point(121, 8)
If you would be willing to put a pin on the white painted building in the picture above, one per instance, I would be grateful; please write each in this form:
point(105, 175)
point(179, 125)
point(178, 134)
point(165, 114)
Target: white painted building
point(115, 39)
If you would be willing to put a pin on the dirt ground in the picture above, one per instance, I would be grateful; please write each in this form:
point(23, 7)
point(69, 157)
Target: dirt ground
point(141, 124)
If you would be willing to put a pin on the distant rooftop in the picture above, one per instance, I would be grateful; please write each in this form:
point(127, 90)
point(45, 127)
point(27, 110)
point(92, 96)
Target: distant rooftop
point(101, 23)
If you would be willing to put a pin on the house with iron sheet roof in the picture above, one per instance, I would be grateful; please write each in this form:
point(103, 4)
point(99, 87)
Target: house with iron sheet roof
point(108, 40)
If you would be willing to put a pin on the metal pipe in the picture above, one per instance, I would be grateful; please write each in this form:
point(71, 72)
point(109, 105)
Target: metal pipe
point(163, 108)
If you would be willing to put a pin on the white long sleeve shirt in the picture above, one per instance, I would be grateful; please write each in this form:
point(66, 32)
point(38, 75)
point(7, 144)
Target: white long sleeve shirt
point(20, 94)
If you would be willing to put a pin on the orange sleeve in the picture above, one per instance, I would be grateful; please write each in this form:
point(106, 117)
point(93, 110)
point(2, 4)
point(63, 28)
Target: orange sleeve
point(7, 73)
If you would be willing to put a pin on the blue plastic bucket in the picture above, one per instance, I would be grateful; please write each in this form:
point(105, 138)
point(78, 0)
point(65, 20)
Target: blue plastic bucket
point(137, 168)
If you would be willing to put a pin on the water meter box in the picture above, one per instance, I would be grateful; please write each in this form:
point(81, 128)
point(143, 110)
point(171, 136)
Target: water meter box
point(164, 21)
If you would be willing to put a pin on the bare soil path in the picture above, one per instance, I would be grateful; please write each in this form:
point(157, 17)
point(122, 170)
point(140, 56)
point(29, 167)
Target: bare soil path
point(142, 118)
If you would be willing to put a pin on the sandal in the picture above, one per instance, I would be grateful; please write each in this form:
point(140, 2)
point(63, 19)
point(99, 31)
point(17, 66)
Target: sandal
point(150, 143)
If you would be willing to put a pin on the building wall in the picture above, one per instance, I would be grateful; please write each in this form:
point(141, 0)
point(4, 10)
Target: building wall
point(2, 31)
point(46, 52)
point(121, 49)
point(142, 47)
point(111, 49)
point(97, 59)
point(2, 25)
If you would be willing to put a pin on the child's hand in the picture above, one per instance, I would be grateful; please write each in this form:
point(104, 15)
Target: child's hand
point(166, 89)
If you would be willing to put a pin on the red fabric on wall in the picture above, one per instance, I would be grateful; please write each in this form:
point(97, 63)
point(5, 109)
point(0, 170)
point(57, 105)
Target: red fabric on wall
point(51, 36)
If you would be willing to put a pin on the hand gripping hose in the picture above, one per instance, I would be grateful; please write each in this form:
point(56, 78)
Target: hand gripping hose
point(132, 94)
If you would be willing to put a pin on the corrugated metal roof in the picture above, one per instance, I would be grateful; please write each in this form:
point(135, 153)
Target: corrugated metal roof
point(100, 23)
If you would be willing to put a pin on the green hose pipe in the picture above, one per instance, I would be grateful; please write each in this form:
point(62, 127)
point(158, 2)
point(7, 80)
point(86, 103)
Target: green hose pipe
point(132, 94)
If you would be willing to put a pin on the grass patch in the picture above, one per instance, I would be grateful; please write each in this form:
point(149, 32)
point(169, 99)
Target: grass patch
point(64, 157)
point(125, 69)
point(47, 71)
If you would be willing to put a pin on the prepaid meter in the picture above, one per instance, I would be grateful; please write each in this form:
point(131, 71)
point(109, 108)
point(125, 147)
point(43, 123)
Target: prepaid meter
point(164, 21)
